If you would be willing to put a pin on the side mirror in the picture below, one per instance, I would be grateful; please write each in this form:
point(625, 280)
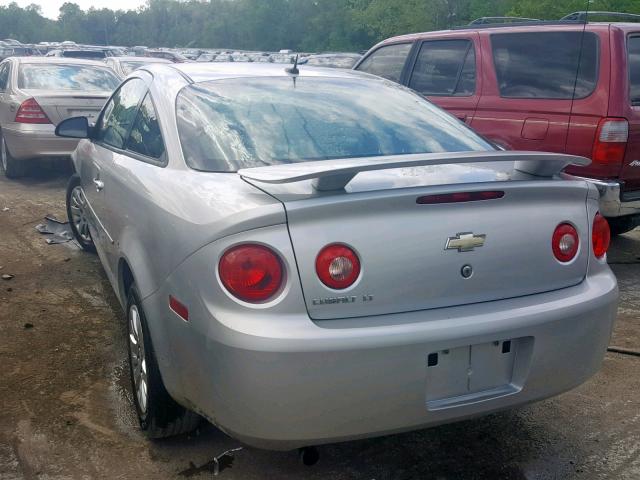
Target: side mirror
point(74, 127)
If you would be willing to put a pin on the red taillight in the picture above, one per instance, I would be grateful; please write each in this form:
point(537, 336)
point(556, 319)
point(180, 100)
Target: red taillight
point(31, 112)
point(565, 242)
point(610, 144)
point(459, 197)
point(600, 236)
point(250, 272)
point(337, 266)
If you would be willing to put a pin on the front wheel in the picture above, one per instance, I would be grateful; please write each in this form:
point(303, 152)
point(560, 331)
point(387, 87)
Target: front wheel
point(159, 414)
point(77, 213)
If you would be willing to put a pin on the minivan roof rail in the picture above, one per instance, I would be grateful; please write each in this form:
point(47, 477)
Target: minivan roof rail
point(584, 16)
point(500, 20)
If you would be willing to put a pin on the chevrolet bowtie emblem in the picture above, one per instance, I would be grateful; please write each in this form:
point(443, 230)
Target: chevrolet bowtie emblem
point(465, 242)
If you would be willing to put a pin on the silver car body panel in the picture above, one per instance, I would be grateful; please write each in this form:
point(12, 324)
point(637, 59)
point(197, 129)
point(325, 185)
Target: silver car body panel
point(275, 376)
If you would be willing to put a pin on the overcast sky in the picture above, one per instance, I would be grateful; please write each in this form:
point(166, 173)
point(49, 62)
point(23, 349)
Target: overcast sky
point(50, 7)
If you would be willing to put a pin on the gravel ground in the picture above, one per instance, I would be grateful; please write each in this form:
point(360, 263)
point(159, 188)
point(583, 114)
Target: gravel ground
point(66, 410)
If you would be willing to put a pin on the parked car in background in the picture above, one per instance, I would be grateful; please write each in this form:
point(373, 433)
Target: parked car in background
point(36, 93)
point(314, 257)
point(123, 66)
point(206, 57)
point(332, 60)
point(515, 83)
point(87, 54)
point(172, 56)
point(22, 51)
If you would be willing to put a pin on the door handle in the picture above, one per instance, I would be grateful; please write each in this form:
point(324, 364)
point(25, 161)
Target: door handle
point(98, 183)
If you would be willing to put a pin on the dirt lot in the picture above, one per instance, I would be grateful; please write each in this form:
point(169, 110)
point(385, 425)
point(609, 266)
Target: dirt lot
point(65, 410)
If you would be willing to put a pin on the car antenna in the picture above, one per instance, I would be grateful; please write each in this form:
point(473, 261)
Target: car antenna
point(293, 70)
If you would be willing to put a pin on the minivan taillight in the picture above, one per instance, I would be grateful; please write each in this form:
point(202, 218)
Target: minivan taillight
point(610, 144)
point(31, 112)
point(253, 273)
point(565, 242)
point(600, 236)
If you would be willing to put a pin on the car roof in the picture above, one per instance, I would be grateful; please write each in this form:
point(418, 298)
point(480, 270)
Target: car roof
point(201, 72)
point(520, 28)
point(59, 60)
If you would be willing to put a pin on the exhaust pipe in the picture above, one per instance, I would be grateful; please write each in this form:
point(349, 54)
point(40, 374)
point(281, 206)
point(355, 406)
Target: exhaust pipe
point(309, 456)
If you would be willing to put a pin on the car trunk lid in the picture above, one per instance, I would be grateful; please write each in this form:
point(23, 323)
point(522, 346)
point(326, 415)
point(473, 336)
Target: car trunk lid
point(402, 243)
point(59, 105)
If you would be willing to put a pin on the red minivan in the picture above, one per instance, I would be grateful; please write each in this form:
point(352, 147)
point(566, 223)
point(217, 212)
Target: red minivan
point(566, 87)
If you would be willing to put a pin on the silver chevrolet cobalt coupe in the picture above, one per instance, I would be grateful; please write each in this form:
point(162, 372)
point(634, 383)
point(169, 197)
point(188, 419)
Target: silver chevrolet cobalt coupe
point(318, 255)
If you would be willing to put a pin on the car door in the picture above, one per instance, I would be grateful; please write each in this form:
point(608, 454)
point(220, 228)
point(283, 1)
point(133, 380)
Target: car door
point(109, 140)
point(446, 71)
point(135, 180)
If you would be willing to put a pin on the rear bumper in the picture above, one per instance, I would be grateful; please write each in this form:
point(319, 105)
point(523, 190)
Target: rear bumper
point(25, 141)
point(336, 380)
point(612, 203)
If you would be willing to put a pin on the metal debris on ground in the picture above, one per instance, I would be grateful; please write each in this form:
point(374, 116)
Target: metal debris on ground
point(7, 276)
point(215, 466)
point(60, 231)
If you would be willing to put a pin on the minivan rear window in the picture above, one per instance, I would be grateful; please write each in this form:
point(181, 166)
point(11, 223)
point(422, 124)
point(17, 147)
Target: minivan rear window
point(633, 47)
point(545, 64)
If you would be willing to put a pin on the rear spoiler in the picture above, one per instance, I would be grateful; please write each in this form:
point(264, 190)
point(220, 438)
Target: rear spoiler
point(336, 174)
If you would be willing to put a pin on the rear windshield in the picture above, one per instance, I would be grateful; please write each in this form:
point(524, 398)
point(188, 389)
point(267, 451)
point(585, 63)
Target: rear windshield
point(634, 69)
point(545, 64)
point(42, 76)
point(230, 124)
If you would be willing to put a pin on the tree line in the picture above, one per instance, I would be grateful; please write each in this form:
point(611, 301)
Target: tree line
point(302, 25)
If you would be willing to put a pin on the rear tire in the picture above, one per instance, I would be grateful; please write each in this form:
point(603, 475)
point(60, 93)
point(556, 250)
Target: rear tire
point(77, 212)
point(622, 225)
point(159, 415)
point(12, 168)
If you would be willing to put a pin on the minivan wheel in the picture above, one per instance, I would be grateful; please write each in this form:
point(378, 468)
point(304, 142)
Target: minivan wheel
point(77, 213)
point(159, 414)
point(622, 225)
point(11, 167)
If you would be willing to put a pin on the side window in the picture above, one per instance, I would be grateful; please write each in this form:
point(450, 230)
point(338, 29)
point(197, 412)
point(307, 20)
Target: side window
point(445, 67)
point(387, 62)
point(633, 47)
point(544, 64)
point(145, 137)
point(120, 113)
point(4, 76)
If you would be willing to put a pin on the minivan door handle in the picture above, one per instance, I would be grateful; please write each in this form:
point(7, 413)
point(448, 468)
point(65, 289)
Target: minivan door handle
point(98, 183)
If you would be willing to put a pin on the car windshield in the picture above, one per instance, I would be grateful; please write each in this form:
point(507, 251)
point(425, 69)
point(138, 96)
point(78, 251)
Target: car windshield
point(43, 76)
point(226, 125)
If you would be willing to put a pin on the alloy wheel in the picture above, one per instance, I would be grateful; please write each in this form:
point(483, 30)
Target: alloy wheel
point(138, 359)
point(78, 207)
